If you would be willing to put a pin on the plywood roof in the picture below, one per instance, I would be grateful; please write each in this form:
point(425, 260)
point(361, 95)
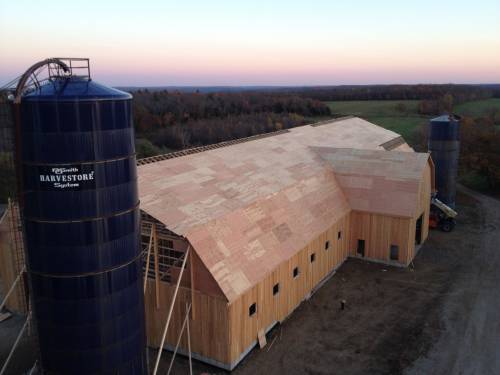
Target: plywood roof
point(247, 207)
point(244, 246)
point(378, 181)
point(191, 190)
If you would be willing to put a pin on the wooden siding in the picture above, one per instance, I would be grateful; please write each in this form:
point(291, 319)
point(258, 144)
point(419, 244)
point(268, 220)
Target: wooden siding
point(423, 209)
point(425, 198)
point(209, 328)
point(271, 308)
point(202, 279)
point(380, 232)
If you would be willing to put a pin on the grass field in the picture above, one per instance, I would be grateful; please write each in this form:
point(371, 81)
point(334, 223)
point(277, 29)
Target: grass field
point(400, 116)
point(478, 108)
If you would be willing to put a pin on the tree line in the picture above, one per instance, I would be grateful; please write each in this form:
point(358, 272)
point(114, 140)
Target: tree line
point(480, 153)
point(175, 120)
point(163, 108)
point(460, 93)
point(214, 130)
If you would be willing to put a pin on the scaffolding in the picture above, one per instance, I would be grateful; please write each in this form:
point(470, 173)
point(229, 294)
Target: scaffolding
point(165, 257)
point(167, 253)
point(12, 261)
point(6, 127)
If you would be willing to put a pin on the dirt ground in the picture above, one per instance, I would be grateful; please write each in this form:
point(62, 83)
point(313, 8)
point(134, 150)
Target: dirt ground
point(440, 316)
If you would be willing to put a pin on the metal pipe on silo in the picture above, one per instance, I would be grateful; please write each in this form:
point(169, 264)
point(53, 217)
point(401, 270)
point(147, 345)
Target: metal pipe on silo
point(82, 226)
point(444, 146)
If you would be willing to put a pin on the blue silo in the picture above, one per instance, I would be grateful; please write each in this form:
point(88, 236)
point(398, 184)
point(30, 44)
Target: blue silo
point(444, 145)
point(82, 227)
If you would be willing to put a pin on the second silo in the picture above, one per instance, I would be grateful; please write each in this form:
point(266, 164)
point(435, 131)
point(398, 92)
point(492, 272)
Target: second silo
point(444, 146)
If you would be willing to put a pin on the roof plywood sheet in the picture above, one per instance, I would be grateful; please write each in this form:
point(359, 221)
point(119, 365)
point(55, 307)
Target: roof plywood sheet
point(385, 182)
point(403, 148)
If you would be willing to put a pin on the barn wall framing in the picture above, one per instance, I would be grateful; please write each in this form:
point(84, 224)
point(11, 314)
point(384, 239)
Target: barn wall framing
point(12, 259)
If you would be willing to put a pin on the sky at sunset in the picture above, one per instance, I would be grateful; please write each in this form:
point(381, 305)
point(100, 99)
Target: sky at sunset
point(185, 42)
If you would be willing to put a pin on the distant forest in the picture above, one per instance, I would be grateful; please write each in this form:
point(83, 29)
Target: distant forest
point(434, 99)
point(480, 153)
point(175, 120)
point(460, 93)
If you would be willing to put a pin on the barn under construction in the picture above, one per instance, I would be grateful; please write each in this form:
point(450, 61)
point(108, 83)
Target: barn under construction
point(237, 235)
point(200, 251)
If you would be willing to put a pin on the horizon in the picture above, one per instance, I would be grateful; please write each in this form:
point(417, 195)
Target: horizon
point(283, 44)
point(159, 86)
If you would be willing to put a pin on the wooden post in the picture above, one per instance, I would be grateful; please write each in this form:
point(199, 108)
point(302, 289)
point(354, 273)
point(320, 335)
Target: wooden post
point(186, 321)
point(14, 346)
point(189, 343)
point(153, 233)
point(191, 269)
point(171, 309)
point(12, 287)
point(157, 272)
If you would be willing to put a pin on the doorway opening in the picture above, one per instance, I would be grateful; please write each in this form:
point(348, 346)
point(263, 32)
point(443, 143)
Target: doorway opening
point(394, 253)
point(418, 230)
point(361, 247)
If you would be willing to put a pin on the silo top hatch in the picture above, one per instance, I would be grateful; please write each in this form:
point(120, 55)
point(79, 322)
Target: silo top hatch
point(446, 118)
point(73, 89)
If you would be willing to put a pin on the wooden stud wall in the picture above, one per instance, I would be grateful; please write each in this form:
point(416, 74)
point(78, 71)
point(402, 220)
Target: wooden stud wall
point(12, 258)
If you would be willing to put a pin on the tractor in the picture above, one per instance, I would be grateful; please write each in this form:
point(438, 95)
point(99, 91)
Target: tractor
point(441, 216)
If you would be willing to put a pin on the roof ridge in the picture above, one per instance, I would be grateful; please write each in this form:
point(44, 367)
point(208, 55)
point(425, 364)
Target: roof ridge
point(393, 143)
point(196, 150)
point(331, 121)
